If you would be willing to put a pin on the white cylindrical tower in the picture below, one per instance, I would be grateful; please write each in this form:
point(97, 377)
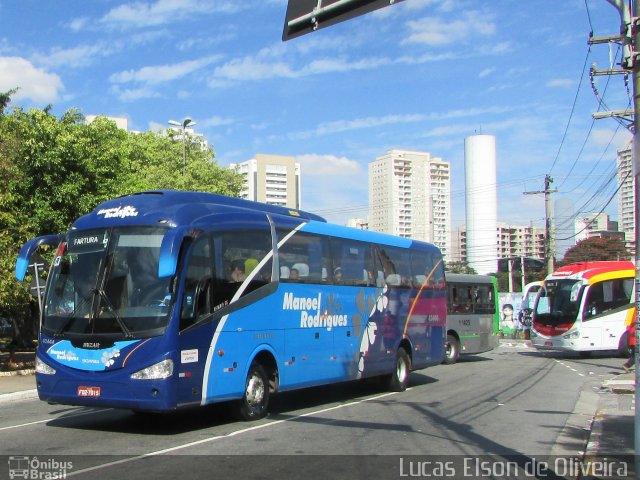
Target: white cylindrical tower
point(481, 202)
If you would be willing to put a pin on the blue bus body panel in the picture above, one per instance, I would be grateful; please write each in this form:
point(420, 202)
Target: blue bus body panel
point(324, 334)
point(107, 369)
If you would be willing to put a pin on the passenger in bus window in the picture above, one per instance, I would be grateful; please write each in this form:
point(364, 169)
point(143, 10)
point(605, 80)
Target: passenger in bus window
point(337, 275)
point(249, 265)
point(294, 275)
point(237, 271)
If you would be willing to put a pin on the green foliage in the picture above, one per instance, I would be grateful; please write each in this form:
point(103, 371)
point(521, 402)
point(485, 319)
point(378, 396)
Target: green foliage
point(459, 267)
point(55, 170)
point(594, 249)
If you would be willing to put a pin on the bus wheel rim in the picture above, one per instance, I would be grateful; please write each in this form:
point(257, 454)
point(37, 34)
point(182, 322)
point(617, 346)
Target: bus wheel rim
point(401, 370)
point(255, 391)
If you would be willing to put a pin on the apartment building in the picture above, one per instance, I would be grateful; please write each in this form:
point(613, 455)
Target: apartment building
point(512, 241)
point(626, 204)
point(271, 179)
point(410, 196)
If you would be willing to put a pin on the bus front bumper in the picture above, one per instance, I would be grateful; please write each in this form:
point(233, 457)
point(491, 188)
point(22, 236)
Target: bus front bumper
point(106, 389)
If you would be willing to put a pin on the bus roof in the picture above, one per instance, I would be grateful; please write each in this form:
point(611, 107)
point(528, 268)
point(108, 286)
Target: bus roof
point(468, 278)
point(175, 207)
point(588, 270)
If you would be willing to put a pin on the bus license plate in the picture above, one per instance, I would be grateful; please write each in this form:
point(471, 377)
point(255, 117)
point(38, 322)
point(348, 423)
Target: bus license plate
point(548, 344)
point(88, 391)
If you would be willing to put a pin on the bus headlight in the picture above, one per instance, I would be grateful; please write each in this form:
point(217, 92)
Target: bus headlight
point(43, 368)
point(158, 371)
point(574, 334)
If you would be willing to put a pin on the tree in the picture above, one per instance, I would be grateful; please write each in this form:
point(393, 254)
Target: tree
point(459, 267)
point(594, 249)
point(55, 170)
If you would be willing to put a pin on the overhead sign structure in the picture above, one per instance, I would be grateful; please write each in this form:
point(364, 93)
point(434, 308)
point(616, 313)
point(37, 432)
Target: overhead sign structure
point(305, 16)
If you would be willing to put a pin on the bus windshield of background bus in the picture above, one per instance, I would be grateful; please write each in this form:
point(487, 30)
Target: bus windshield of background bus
point(105, 282)
point(559, 302)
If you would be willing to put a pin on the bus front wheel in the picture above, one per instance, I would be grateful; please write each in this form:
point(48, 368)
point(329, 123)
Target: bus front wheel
point(451, 350)
point(399, 379)
point(255, 402)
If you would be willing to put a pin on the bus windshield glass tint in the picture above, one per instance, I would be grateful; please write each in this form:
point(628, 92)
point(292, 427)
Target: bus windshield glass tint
point(105, 282)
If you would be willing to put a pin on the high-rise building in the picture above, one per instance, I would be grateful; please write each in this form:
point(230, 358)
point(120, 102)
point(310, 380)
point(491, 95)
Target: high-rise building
point(410, 196)
point(481, 202)
point(510, 240)
point(272, 179)
point(626, 204)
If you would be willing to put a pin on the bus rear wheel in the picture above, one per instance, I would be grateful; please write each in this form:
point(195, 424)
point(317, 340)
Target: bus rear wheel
point(255, 402)
point(399, 379)
point(451, 350)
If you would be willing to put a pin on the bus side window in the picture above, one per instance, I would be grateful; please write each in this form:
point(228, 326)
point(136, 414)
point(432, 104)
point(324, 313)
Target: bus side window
point(196, 300)
point(304, 258)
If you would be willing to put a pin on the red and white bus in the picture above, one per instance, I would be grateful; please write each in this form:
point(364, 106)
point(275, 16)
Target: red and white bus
point(585, 307)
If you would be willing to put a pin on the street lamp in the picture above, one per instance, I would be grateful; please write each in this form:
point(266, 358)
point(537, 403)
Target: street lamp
point(187, 122)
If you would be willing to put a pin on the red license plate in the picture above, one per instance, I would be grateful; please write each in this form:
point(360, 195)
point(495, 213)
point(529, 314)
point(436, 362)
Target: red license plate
point(548, 344)
point(88, 391)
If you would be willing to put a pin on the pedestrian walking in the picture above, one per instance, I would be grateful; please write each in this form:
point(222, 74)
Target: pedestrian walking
point(631, 341)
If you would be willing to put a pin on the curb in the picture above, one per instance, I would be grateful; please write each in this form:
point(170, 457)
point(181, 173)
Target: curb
point(15, 396)
point(620, 386)
point(28, 371)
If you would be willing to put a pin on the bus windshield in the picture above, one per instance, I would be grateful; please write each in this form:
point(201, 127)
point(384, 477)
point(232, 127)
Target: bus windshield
point(105, 283)
point(558, 302)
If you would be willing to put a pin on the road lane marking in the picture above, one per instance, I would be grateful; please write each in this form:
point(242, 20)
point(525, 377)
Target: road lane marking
point(228, 435)
point(62, 417)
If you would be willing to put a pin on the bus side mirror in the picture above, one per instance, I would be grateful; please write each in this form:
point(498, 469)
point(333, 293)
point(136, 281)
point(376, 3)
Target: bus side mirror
point(28, 249)
point(169, 251)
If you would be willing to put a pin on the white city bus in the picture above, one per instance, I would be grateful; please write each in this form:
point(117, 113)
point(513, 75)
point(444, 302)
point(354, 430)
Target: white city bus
point(585, 307)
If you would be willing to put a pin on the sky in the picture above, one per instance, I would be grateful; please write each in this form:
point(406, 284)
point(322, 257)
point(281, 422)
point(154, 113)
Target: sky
point(419, 75)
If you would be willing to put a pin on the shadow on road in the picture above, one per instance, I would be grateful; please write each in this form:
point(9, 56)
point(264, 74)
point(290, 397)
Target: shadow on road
point(220, 414)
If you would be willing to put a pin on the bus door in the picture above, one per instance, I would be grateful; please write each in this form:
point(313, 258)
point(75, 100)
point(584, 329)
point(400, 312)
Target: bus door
point(220, 306)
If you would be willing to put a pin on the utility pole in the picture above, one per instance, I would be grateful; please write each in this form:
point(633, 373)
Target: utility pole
point(549, 241)
point(630, 38)
point(635, 63)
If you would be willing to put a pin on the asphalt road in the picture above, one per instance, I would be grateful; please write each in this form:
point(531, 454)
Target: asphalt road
point(513, 404)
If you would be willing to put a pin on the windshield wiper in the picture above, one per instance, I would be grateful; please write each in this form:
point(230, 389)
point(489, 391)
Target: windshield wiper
point(119, 321)
point(73, 317)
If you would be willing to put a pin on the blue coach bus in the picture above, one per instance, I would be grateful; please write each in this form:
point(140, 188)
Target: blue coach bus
point(168, 299)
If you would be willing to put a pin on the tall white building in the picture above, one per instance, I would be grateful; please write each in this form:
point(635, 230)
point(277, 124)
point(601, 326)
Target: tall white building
point(272, 179)
point(410, 196)
point(626, 206)
point(481, 202)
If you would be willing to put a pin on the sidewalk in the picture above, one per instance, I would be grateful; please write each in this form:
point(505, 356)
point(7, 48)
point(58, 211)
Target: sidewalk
point(17, 386)
point(612, 429)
